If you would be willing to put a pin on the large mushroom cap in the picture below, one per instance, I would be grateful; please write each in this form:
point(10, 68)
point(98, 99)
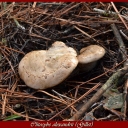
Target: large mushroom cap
point(90, 54)
point(43, 69)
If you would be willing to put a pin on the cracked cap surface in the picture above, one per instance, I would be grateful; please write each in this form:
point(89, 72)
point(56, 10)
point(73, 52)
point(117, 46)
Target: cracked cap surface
point(46, 68)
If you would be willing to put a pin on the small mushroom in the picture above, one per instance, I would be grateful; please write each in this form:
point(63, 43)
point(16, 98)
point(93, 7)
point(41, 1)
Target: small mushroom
point(89, 56)
point(46, 68)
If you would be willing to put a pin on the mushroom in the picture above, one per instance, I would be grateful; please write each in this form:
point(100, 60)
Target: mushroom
point(89, 56)
point(43, 69)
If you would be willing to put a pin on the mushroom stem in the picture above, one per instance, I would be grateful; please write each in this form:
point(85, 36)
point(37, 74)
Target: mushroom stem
point(86, 67)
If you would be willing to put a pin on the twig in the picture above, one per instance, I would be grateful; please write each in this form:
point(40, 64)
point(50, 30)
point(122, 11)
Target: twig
point(35, 35)
point(84, 33)
point(7, 10)
point(52, 3)
point(60, 95)
point(123, 34)
point(105, 118)
point(5, 86)
point(7, 48)
point(121, 43)
point(15, 20)
point(124, 108)
point(92, 111)
point(108, 12)
point(34, 5)
point(119, 15)
point(66, 10)
point(4, 103)
point(19, 95)
point(4, 5)
point(124, 56)
point(9, 63)
point(80, 98)
point(62, 100)
point(19, 114)
point(112, 81)
point(0, 68)
point(103, 11)
point(19, 25)
point(117, 113)
point(110, 70)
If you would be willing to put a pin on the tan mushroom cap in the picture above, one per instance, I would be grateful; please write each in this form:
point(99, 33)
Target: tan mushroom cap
point(90, 54)
point(44, 69)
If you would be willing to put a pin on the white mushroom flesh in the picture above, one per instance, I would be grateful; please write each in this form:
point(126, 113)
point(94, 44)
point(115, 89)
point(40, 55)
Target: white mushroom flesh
point(44, 69)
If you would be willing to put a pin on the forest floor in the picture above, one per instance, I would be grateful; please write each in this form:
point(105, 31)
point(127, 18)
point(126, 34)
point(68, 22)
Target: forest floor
point(28, 26)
